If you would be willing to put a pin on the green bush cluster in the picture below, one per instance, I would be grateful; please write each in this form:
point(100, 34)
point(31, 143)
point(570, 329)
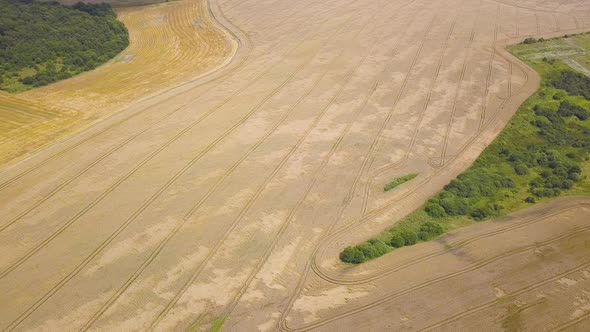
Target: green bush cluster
point(567, 109)
point(397, 181)
point(554, 162)
point(472, 194)
point(395, 239)
point(574, 83)
point(532, 40)
point(52, 41)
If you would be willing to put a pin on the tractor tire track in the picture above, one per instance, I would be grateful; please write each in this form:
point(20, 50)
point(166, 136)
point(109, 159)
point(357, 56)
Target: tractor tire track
point(111, 188)
point(243, 39)
point(346, 200)
point(474, 267)
point(201, 266)
point(398, 97)
point(196, 206)
point(514, 294)
point(110, 152)
point(382, 272)
point(95, 253)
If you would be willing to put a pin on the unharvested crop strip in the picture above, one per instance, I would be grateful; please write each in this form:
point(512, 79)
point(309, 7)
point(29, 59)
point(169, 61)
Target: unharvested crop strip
point(313, 262)
point(416, 128)
point(541, 10)
point(6, 183)
point(344, 204)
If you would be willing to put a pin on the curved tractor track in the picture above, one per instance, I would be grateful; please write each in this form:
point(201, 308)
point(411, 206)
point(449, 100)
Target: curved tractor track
point(170, 44)
point(251, 144)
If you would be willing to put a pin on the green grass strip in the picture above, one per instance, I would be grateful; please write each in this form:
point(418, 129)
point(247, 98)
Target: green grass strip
point(397, 181)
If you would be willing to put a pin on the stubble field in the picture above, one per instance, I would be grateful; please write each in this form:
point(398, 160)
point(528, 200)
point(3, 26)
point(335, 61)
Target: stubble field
point(224, 202)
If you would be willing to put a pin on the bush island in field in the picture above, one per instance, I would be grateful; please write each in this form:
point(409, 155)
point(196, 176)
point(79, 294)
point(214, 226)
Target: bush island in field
point(397, 239)
point(541, 153)
point(43, 42)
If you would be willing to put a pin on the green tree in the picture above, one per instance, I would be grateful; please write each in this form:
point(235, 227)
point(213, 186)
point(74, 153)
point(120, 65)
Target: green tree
point(56, 41)
point(397, 240)
point(410, 237)
point(352, 255)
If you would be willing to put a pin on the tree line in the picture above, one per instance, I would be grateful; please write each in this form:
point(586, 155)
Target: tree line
point(43, 42)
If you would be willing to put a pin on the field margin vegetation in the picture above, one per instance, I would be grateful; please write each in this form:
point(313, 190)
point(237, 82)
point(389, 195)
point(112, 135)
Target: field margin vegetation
point(542, 153)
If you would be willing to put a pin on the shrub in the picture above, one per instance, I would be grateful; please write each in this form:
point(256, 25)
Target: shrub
point(454, 206)
point(432, 228)
point(367, 249)
point(573, 83)
point(424, 236)
point(521, 169)
point(567, 109)
point(410, 237)
point(529, 40)
point(363, 252)
point(482, 213)
point(473, 183)
point(397, 240)
point(378, 248)
point(352, 255)
point(545, 192)
point(434, 210)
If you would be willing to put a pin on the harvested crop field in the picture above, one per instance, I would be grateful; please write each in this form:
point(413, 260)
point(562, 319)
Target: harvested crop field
point(224, 202)
point(171, 44)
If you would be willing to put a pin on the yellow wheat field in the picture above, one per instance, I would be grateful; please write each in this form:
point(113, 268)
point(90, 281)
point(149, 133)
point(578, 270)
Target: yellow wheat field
point(170, 44)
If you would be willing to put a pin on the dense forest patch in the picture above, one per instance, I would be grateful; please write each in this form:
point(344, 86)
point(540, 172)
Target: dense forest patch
point(543, 152)
point(43, 42)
